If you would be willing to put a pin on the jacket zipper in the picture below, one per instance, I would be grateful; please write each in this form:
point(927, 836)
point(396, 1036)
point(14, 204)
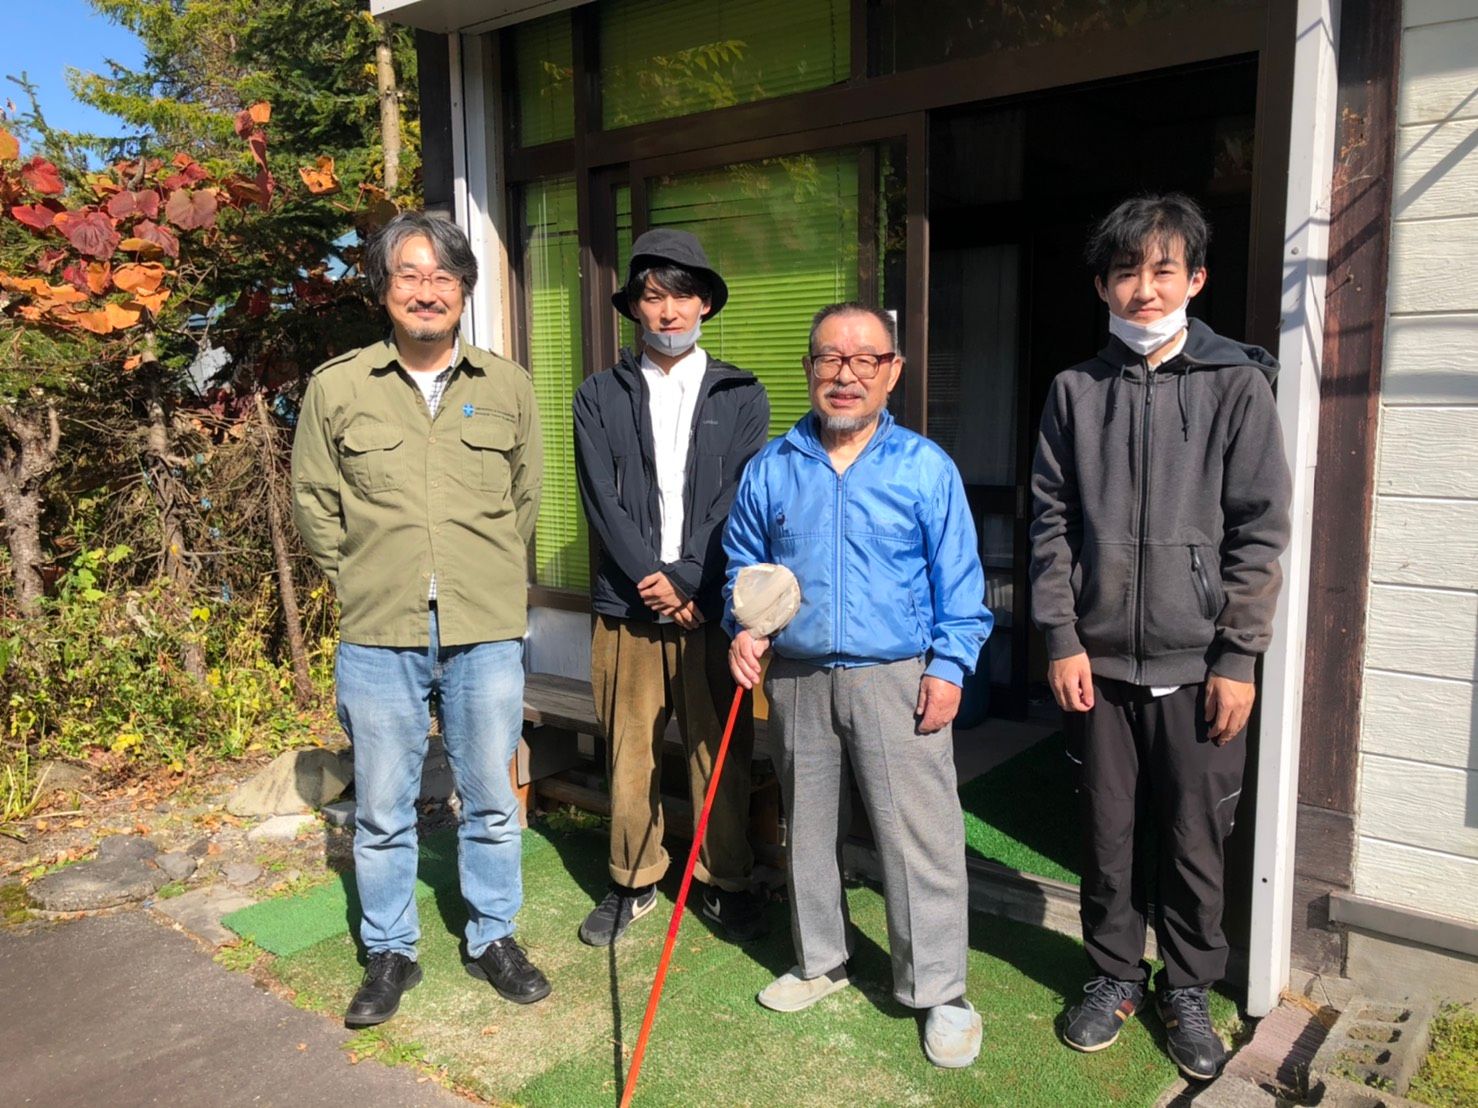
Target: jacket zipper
point(1146, 436)
point(1202, 583)
point(836, 631)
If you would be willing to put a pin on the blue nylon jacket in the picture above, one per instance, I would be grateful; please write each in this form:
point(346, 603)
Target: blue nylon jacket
point(886, 553)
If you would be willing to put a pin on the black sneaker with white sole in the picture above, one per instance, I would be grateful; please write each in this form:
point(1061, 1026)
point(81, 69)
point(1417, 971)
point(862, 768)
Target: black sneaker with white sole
point(739, 915)
point(1094, 1022)
point(609, 919)
point(1192, 1042)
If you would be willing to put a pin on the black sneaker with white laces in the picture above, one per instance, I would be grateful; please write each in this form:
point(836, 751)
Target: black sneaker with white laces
point(1094, 1022)
point(609, 919)
point(505, 967)
point(740, 915)
point(386, 976)
point(1192, 1042)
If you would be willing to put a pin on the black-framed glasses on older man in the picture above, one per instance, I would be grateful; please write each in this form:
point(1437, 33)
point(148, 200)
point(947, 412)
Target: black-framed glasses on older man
point(864, 366)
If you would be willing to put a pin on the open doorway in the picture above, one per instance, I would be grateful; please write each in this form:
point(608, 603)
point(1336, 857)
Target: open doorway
point(1014, 188)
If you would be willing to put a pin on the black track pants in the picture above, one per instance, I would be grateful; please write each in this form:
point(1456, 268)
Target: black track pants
point(1147, 759)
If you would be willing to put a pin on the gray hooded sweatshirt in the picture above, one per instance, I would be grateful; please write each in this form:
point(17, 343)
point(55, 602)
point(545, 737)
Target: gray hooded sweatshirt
point(1161, 507)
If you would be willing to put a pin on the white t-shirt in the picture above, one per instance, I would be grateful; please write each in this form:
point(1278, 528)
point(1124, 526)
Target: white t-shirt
point(671, 400)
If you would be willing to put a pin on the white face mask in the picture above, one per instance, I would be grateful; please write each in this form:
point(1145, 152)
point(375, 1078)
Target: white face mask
point(672, 343)
point(1146, 338)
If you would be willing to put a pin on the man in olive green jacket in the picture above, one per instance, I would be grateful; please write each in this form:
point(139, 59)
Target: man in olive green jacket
point(416, 474)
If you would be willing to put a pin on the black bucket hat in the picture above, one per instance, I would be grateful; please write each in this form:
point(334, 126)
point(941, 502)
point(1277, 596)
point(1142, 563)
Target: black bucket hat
point(668, 247)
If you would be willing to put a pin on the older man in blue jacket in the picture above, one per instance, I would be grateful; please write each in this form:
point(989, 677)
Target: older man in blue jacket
point(872, 520)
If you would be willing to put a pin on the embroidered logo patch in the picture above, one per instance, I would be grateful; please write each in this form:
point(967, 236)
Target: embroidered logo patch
point(467, 409)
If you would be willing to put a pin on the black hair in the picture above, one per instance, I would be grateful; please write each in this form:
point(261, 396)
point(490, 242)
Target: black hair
point(673, 278)
point(450, 245)
point(853, 307)
point(1157, 220)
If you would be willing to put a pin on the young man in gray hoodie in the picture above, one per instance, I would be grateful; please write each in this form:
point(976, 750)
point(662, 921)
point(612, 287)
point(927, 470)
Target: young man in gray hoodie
point(1161, 506)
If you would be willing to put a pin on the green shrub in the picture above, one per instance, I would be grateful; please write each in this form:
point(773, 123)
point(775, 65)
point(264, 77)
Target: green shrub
point(97, 675)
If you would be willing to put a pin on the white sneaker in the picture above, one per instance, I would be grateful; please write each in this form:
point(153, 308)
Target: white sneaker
point(952, 1036)
point(790, 992)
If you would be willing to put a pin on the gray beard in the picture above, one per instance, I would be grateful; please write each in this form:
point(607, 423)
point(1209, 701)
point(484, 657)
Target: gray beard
point(431, 334)
point(846, 424)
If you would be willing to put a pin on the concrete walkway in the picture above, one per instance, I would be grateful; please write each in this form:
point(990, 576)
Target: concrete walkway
point(121, 1010)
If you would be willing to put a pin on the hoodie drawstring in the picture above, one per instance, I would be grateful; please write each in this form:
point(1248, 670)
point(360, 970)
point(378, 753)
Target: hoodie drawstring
point(1113, 404)
point(1185, 418)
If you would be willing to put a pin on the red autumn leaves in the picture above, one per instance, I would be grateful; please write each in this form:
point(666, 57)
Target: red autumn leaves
point(115, 236)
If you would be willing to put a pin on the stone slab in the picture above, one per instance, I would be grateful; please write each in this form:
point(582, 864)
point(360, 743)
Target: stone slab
point(295, 781)
point(122, 1010)
point(177, 864)
point(199, 912)
point(89, 886)
point(137, 847)
point(57, 776)
point(281, 829)
point(241, 873)
point(340, 813)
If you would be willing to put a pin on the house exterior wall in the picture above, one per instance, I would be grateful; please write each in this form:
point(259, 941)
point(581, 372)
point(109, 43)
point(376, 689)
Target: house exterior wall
point(1417, 824)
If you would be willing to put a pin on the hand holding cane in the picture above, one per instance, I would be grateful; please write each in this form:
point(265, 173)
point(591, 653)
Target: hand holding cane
point(766, 598)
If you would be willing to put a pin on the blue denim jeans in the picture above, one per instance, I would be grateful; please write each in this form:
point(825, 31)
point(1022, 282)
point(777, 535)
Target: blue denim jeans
point(384, 701)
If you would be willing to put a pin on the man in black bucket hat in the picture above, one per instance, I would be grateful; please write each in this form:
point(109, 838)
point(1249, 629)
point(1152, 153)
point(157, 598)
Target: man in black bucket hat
point(660, 441)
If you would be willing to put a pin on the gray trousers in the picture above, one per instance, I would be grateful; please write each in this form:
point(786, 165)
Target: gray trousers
point(829, 721)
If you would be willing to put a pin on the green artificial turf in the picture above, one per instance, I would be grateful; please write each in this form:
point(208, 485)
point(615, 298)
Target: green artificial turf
point(712, 1043)
point(1024, 813)
point(288, 924)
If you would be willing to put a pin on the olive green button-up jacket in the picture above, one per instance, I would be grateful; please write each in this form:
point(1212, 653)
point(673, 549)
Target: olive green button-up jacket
point(385, 496)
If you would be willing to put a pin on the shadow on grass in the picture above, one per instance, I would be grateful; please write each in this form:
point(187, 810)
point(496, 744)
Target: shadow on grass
point(1024, 813)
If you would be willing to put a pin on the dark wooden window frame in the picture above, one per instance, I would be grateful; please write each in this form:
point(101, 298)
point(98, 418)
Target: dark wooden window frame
point(871, 108)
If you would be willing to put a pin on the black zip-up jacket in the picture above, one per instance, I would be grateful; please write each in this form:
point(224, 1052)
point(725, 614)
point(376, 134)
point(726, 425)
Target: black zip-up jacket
point(1161, 507)
point(615, 463)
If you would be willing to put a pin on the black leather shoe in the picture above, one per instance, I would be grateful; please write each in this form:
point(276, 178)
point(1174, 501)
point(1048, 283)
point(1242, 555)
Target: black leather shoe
point(1191, 1041)
point(1093, 1023)
point(386, 976)
point(505, 967)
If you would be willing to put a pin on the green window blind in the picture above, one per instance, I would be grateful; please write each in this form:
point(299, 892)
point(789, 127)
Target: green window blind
point(626, 329)
point(783, 232)
point(552, 277)
point(675, 58)
point(543, 66)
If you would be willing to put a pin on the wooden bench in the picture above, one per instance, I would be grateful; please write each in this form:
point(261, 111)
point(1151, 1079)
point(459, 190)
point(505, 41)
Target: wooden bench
point(557, 710)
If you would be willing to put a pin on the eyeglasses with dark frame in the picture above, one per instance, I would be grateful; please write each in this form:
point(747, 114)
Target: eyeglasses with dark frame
point(408, 280)
point(864, 366)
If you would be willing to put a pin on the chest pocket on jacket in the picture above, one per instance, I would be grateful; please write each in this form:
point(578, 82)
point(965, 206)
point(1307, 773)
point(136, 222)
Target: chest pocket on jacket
point(374, 459)
point(488, 443)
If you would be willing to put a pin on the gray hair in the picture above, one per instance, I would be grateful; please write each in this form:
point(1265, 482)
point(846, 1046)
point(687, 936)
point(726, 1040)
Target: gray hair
point(453, 253)
point(852, 307)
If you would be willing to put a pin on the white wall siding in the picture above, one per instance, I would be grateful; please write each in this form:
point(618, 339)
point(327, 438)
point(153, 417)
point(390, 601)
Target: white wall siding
point(1434, 265)
point(1439, 71)
point(1429, 452)
point(1417, 826)
point(1421, 12)
point(1423, 631)
point(1434, 175)
point(1421, 719)
point(1428, 880)
point(1431, 359)
point(1425, 542)
point(1421, 805)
